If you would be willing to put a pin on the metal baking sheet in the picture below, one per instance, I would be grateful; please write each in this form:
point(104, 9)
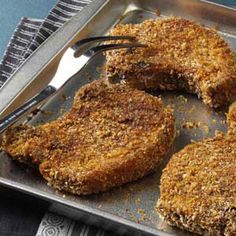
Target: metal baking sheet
point(130, 208)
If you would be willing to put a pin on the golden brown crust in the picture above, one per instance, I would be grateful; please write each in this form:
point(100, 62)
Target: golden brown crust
point(198, 186)
point(25, 144)
point(231, 119)
point(112, 135)
point(180, 55)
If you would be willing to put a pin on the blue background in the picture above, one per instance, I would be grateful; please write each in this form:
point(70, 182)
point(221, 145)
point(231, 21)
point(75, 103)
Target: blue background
point(11, 12)
point(225, 2)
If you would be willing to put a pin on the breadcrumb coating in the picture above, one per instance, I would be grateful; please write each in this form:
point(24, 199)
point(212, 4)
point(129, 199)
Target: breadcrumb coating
point(231, 119)
point(180, 55)
point(112, 135)
point(198, 186)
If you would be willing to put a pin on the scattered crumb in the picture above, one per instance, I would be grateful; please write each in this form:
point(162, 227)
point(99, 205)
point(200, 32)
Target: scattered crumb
point(192, 109)
point(134, 218)
point(62, 110)
point(177, 132)
point(223, 122)
point(182, 99)
point(142, 213)
point(32, 114)
point(99, 69)
point(137, 201)
point(63, 96)
point(140, 17)
point(216, 27)
point(46, 112)
point(36, 111)
point(158, 12)
point(205, 128)
point(190, 125)
point(219, 133)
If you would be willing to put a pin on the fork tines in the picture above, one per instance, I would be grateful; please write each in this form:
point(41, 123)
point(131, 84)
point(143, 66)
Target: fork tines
point(83, 45)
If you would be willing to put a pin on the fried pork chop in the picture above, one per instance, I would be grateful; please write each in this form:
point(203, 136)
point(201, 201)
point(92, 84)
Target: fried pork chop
point(180, 55)
point(112, 135)
point(198, 186)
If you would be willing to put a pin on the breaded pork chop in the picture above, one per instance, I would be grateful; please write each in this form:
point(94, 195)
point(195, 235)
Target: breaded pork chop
point(180, 55)
point(198, 186)
point(112, 135)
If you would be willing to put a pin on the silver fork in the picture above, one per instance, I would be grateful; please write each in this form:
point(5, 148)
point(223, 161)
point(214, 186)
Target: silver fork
point(72, 61)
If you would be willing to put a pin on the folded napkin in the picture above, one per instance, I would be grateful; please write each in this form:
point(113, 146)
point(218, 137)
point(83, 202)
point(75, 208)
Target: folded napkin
point(28, 36)
point(30, 33)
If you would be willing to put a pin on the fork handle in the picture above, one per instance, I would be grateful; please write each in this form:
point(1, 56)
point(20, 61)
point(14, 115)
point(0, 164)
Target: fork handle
point(19, 112)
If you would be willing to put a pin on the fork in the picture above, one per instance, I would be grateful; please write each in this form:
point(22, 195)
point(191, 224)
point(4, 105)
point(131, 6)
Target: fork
point(72, 61)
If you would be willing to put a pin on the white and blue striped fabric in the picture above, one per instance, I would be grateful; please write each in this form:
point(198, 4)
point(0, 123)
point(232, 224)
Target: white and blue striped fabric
point(30, 33)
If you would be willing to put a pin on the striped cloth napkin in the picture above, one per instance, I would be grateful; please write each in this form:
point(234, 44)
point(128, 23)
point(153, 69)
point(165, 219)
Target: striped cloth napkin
point(30, 33)
point(28, 36)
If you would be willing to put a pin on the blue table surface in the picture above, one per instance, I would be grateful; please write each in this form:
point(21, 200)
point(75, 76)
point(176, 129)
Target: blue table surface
point(225, 2)
point(11, 12)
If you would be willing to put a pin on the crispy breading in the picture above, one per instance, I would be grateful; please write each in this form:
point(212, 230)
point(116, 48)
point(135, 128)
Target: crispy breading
point(231, 119)
point(180, 55)
point(25, 143)
point(112, 135)
point(198, 186)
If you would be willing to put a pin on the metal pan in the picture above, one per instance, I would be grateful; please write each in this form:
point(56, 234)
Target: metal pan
point(130, 208)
